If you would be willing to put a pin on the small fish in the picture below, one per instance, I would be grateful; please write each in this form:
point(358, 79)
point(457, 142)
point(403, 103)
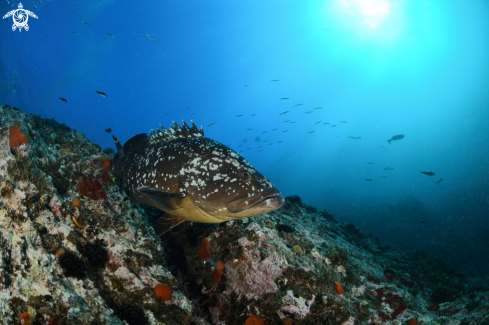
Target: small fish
point(264, 132)
point(265, 141)
point(369, 179)
point(439, 181)
point(279, 141)
point(148, 37)
point(249, 129)
point(275, 80)
point(370, 163)
point(286, 121)
point(355, 138)
point(298, 105)
point(253, 114)
point(311, 132)
point(189, 107)
point(275, 129)
point(108, 130)
point(317, 108)
point(332, 126)
point(182, 185)
point(284, 113)
point(343, 122)
point(308, 112)
point(388, 168)
point(101, 93)
point(211, 124)
point(73, 32)
point(428, 173)
point(318, 122)
point(285, 131)
point(396, 137)
point(152, 38)
point(85, 22)
point(284, 98)
point(247, 86)
point(65, 149)
point(109, 35)
point(326, 123)
point(239, 115)
point(192, 114)
point(63, 99)
point(293, 122)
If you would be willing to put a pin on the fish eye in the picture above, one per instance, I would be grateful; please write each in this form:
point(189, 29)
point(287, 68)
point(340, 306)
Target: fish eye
point(245, 175)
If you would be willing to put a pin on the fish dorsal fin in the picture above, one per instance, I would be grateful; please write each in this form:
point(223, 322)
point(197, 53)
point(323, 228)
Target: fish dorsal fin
point(175, 132)
point(136, 143)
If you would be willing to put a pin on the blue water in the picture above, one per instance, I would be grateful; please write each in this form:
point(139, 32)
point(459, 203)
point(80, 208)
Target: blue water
point(418, 68)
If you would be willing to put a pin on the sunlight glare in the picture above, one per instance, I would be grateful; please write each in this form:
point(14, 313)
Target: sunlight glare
point(370, 12)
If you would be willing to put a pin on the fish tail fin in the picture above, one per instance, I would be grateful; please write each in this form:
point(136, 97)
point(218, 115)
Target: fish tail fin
point(117, 144)
point(166, 223)
point(389, 141)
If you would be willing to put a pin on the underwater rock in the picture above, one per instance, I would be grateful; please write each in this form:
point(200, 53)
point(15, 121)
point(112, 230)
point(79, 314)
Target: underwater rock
point(99, 261)
point(100, 270)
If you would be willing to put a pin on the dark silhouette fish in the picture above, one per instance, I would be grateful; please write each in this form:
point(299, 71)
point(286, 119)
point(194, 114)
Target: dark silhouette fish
point(429, 173)
point(101, 93)
point(63, 99)
point(396, 137)
point(439, 181)
point(108, 130)
point(192, 178)
point(369, 179)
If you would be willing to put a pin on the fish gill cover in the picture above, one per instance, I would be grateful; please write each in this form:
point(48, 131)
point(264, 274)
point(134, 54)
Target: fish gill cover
point(373, 110)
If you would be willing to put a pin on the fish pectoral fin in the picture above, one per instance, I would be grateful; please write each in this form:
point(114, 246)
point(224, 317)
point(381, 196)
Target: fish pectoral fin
point(166, 223)
point(164, 200)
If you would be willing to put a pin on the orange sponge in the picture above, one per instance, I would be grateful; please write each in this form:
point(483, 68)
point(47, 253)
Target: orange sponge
point(339, 288)
point(16, 137)
point(253, 320)
point(105, 163)
point(217, 271)
point(203, 252)
point(163, 291)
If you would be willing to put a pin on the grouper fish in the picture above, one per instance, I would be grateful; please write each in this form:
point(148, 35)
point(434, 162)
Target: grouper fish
point(192, 178)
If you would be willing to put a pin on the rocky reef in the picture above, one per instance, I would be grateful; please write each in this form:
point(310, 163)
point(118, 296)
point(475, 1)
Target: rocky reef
point(75, 250)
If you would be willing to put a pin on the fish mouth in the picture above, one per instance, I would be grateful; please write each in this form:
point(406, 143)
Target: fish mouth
point(267, 201)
